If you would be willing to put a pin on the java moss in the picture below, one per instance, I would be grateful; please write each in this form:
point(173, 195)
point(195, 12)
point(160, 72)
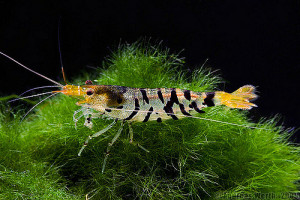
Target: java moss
point(187, 159)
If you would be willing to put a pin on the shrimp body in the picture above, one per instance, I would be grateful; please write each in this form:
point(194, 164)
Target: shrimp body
point(144, 104)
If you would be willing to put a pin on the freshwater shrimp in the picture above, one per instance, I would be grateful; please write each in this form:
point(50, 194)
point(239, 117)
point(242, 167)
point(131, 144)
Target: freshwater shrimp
point(144, 104)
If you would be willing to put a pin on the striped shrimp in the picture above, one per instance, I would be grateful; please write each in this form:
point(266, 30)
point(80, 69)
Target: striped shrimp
point(144, 104)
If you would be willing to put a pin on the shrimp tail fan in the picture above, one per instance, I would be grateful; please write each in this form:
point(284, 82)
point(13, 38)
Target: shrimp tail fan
point(241, 98)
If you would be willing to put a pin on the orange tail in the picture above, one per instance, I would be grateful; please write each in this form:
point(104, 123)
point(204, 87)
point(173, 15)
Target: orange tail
point(238, 99)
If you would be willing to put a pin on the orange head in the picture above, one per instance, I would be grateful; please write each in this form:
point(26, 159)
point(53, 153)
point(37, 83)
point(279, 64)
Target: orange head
point(94, 96)
point(84, 92)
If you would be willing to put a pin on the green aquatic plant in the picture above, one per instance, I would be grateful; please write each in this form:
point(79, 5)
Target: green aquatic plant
point(187, 159)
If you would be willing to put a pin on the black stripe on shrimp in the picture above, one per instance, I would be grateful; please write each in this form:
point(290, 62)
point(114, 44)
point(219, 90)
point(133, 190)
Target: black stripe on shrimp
point(148, 114)
point(136, 110)
point(144, 94)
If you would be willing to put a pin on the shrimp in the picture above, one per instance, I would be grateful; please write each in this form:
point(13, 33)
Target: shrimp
point(144, 104)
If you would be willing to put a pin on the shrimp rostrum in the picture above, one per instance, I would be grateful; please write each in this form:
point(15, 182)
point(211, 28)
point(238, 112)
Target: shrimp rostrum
point(144, 104)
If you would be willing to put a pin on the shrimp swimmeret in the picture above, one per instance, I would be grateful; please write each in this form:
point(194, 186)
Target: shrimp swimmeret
point(143, 104)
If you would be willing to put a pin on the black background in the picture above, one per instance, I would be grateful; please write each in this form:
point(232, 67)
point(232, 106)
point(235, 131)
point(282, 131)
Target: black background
point(250, 42)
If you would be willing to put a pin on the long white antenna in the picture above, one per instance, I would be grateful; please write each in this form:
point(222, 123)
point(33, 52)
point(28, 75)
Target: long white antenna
point(30, 69)
point(27, 97)
point(41, 87)
point(37, 105)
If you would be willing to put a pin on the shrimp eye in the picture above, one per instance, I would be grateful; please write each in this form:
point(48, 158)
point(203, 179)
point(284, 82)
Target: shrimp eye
point(88, 82)
point(89, 92)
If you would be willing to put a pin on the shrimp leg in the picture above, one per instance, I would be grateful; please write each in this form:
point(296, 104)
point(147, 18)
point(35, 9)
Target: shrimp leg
point(77, 119)
point(110, 145)
point(131, 138)
point(96, 135)
point(130, 133)
point(89, 115)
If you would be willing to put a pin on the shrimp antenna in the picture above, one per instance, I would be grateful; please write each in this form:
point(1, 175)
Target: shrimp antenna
point(35, 95)
point(36, 88)
point(36, 106)
point(10, 58)
point(59, 50)
point(63, 72)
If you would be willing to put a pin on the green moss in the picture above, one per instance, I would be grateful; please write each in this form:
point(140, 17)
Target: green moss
point(188, 159)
